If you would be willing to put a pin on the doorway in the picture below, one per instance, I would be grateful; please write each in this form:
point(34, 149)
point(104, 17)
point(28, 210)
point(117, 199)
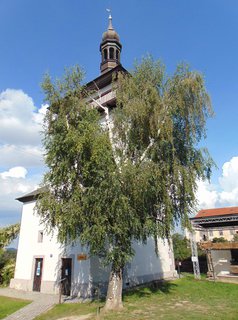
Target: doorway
point(38, 274)
point(66, 271)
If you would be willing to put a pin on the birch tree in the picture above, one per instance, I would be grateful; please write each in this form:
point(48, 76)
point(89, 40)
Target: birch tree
point(114, 184)
point(8, 234)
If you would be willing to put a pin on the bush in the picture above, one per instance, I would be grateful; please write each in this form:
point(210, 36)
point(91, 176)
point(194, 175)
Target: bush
point(219, 239)
point(7, 266)
point(181, 247)
point(7, 272)
point(235, 237)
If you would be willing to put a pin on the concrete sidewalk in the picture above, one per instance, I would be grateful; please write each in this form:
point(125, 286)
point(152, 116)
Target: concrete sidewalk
point(40, 303)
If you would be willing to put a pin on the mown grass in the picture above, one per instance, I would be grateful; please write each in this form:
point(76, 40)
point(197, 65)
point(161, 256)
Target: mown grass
point(184, 298)
point(10, 305)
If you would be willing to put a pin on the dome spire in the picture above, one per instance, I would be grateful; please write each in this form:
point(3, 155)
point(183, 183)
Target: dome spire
point(110, 27)
point(110, 47)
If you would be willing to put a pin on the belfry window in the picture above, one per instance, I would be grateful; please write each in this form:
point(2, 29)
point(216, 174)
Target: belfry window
point(117, 54)
point(105, 54)
point(111, 53)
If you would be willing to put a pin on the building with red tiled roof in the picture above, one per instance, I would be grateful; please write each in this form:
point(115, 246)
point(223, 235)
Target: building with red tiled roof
point(223, 257)
point(217, 212)
point(215, 223)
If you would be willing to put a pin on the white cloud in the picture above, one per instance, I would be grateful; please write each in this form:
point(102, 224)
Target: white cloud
point(229, 178)
point(20, 130)
point(206, 195)
point(20, 121)
point(225, 193)
point(21, 155)
point(21, 160)
point(16, 172)
point(13, 187)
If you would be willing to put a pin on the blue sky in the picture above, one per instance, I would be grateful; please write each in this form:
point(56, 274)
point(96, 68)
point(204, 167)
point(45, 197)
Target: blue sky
point(46, 36)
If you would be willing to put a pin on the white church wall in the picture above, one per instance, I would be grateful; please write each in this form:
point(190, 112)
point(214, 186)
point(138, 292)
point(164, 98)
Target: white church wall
point(88, 274)
point(147, 265)
point(81, 267)
point(33, 244)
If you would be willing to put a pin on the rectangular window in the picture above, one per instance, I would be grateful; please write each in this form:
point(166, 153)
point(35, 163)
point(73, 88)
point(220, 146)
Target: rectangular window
point(220, 232)
point(40, 236)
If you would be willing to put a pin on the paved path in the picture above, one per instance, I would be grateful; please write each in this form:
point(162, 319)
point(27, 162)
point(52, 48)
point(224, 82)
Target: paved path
point(40, 303)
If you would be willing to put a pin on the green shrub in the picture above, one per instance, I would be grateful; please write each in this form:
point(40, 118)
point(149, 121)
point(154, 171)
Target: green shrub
point(219, 239)
point(235, 238)
point(7, 272)
point(7, 266)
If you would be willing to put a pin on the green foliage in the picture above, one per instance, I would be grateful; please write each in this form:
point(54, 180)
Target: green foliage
point(7, 266)
point(7, 234)
point(219, 239)
point(181, 247)
point(235, 237)
point(7, 258)
point(7, 272)
point(109, 193)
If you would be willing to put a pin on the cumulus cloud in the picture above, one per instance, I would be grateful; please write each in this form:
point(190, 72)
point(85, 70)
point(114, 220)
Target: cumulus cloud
point(16, 172)
point(206, 195)
point(14, 183)
point(20, 122)
point(223, 194)
point(21, 160)
point(21, 155)
point(229, 178)
point(20, 130)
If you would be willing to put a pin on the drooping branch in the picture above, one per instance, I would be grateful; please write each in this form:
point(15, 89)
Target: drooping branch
point(109, 126)
point(8, 234)
point(150, 145)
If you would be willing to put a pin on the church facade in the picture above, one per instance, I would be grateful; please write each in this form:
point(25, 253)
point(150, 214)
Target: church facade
point(43, 263)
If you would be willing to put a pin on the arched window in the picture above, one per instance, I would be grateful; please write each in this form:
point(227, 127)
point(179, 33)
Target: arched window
point(117, 54)
point(105, 54)
point(111, 53)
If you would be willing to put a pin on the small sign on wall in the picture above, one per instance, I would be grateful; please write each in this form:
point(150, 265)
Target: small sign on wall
point(82, 256)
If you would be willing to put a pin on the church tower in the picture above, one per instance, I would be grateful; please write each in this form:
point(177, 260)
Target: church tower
point(110, 48)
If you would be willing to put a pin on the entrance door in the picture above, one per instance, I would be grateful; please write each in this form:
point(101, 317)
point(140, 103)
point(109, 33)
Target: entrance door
point(66, 276)
point(37, 274)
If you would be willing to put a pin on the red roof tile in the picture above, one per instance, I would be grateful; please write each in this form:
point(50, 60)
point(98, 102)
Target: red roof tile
point(217, 212)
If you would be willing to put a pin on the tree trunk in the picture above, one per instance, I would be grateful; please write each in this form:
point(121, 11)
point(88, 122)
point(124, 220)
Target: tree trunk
point(114, 291)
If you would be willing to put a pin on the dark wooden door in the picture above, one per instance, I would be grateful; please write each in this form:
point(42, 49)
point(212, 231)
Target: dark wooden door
point(38, 274)
point(66, 276)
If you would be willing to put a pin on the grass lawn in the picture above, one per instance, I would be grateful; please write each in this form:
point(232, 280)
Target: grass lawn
point(184, 298)
point(10, 305)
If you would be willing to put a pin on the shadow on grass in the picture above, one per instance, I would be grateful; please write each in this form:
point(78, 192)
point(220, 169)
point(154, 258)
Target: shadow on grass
point(155, 287)
point(140, 291)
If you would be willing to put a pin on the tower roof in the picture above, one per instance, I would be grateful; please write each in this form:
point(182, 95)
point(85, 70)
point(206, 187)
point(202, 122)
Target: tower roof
point(110, 34)
point(110, 48)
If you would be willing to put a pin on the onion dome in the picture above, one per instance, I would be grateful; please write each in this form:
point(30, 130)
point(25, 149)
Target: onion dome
point(110, 34)
point(110, 48)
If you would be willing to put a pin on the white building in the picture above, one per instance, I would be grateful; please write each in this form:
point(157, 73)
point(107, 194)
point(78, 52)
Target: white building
point(42, 262)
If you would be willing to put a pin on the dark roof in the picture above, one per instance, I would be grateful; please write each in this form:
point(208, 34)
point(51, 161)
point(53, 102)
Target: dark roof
point(216, 212)
point(105, 79)
point(31, 196)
